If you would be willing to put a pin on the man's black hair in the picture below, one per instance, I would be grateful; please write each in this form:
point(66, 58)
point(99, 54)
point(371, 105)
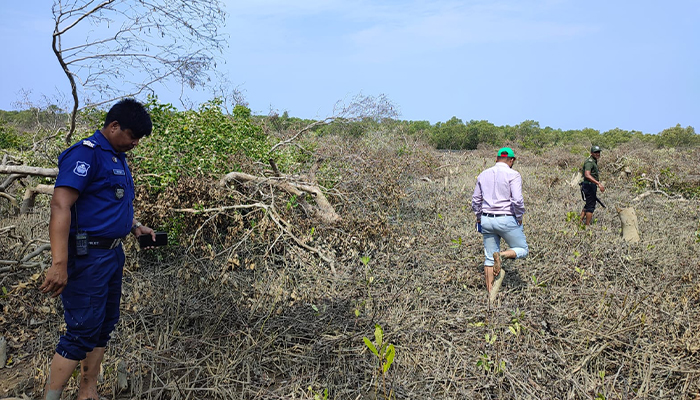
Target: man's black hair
point(131, 115)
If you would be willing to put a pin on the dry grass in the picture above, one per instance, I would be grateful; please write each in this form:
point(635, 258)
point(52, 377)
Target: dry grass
point(246, 313)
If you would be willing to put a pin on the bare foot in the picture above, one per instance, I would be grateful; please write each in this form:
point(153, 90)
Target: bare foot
point(496, 264)
point(89, 393)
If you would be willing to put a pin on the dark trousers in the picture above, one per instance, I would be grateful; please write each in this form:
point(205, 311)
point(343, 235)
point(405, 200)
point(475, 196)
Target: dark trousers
point(589, 191)
point(91, 301)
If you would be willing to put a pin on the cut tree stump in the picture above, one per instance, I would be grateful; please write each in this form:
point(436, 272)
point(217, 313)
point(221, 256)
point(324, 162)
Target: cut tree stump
point(630, 230)
point(30, 196)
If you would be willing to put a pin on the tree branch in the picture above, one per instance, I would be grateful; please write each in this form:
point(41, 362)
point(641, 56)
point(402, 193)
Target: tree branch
point(27, 170)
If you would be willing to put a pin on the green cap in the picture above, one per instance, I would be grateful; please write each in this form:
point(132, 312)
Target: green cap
point(595, 149)
point(505, 152)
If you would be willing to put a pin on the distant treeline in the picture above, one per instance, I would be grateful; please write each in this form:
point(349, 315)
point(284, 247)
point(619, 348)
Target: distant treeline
point(453, 134)
point(457, 135)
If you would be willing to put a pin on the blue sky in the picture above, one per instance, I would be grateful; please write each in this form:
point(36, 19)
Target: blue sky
point(567, 64)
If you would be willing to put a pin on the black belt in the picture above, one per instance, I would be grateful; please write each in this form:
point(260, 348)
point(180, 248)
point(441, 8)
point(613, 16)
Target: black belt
point(589, 183)
point(97, 243)
point(496, 215)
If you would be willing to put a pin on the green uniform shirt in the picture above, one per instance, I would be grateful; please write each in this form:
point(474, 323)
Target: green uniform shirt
point(591, 164)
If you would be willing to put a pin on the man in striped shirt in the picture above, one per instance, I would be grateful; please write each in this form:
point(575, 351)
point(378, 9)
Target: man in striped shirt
point(498, 205)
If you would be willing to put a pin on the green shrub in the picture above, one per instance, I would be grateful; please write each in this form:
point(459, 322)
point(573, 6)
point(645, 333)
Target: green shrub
point(451, 135)
point(202, 141)
point(9, 138)
point(678, 137)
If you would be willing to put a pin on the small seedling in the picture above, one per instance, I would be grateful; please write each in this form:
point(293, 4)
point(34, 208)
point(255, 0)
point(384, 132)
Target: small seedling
point(487, 365)
point(292, 202)
point(358, 308)
point(601, 396)
point(384, 352)
point(537, 283)
point(515, 326)
point(319, 396)
point(484, 363)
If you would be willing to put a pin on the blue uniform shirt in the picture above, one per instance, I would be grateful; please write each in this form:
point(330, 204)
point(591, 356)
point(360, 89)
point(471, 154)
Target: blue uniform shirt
point(101, 175)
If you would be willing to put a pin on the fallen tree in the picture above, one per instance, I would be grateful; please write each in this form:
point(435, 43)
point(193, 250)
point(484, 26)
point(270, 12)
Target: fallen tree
point(322, 209)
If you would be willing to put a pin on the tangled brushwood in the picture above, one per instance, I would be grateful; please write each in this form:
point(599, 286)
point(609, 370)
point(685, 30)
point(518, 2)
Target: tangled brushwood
point(259, 297)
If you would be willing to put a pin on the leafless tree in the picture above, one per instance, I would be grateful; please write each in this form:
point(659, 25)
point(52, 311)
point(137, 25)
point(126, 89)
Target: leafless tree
point(360, 107)
point(111, 49)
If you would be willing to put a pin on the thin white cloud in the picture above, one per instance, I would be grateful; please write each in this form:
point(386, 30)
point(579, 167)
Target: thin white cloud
point(449, 25)
point(388, 29)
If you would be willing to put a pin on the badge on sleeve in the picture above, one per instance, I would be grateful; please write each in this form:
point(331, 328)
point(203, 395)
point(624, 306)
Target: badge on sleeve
point(89, 144)
point(81, 168)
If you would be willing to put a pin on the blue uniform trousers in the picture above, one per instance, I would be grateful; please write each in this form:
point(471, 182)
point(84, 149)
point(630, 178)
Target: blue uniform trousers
point(91, 301)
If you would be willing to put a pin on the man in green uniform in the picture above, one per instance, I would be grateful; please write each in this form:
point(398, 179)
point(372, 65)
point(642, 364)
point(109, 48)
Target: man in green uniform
point(590, 185)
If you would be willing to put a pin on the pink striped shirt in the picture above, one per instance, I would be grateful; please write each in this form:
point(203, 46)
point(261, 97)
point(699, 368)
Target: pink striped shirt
point(499, 190)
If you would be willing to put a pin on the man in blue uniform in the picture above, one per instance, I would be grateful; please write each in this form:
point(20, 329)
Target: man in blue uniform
point(91, 212)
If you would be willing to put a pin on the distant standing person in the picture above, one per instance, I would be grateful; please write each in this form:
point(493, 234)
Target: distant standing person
point(91, 212)
point(499, 206)
point(590, 185)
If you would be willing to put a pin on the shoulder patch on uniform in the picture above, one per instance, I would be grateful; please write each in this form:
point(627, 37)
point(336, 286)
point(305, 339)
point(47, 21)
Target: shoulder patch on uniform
point(81, 168)
point(88, 144)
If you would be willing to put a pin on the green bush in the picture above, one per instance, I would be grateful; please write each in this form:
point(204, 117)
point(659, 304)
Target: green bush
point(678, 137)
point(9, 138)
point(202, 141)
point(451, 135)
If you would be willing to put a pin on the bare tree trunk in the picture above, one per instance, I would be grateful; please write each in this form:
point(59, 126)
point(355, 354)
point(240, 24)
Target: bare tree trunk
point(56, 45)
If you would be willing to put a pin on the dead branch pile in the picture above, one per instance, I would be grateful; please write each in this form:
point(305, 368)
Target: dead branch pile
point(242, 308)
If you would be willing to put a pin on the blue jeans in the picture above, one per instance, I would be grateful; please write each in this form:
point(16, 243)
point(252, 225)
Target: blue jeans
point(506, 227)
